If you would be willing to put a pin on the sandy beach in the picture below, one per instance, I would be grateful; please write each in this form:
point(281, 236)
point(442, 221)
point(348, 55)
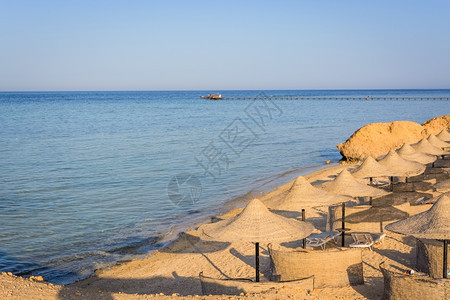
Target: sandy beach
point(172, 272)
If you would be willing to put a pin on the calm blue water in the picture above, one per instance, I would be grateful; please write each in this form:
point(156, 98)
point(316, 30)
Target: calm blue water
point(85, 177)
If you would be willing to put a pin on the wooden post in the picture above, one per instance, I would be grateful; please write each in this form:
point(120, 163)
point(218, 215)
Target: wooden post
point(445, 259)
point(343, 224)
point(304, 219)
point(370, 200)
point(257, 261)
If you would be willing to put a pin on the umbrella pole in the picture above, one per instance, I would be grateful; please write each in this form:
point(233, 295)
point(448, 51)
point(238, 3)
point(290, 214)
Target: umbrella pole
point(445, 258)
point(343, 224)
point(391, 179)
point(370, 200)
point(370, 181)
point(257, 261)
point(303, 219)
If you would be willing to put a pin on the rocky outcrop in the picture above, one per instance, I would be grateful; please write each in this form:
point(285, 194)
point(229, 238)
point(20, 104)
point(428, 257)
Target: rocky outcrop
point(378, 138)
point(435, 125)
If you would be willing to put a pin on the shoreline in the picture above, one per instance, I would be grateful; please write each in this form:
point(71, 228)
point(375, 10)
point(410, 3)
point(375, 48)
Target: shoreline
point(230, 208)
point(170, 236)
point(162, 238)
point(268, 185)
point(166, 238)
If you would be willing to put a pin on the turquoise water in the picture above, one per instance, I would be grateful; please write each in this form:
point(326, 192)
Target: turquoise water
point(88, 179)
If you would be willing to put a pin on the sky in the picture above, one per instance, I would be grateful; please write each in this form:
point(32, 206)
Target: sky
point(222, 45)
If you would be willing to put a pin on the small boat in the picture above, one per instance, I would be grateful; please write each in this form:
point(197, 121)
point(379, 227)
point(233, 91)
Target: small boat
point(212, 97)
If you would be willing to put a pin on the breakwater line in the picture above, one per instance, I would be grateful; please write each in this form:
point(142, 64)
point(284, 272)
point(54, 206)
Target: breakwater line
point(341, 98)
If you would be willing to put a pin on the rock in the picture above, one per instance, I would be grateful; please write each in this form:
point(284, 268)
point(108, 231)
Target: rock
point(378, 138)
point(36, 278)
point(435, 125)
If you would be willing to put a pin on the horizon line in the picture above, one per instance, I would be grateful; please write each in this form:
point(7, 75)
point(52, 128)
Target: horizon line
point(201, 90)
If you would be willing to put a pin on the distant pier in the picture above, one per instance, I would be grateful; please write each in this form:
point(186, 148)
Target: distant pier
point(339, 98)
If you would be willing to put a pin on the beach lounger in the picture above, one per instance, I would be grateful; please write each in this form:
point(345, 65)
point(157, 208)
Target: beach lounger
point(321, 239)
point(362, 240)
point(365, 240)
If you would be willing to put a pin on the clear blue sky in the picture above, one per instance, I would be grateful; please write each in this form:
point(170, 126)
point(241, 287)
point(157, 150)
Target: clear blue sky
point(218, 45)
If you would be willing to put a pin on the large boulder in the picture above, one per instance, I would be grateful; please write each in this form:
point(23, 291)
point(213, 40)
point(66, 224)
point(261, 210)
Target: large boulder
point(435, 125)
point(378, 138)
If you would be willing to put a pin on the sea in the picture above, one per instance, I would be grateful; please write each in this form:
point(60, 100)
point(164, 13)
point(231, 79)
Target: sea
point(92, 179)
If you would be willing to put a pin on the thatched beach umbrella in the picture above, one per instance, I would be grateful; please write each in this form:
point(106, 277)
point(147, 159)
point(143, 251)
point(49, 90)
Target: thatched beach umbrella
point(303, 195)
point(256, 224)
point(346, 184)
point(431, 224)
point(401, 166)
point(370, 168)
point(424, 146)
point(433, 140)
point(377, 214)
point(408, 152)
point(444, 135)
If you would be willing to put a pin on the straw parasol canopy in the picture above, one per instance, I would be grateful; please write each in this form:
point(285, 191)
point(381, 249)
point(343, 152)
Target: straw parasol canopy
point(424, 146)
point(256, 224)
point(401, 166)
point(408, 152)
point(377, 214)
point(303, 195)
point(433, 140)
point(346, 184)
point(371, 168)
point(431, 224)
point(444, 135)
